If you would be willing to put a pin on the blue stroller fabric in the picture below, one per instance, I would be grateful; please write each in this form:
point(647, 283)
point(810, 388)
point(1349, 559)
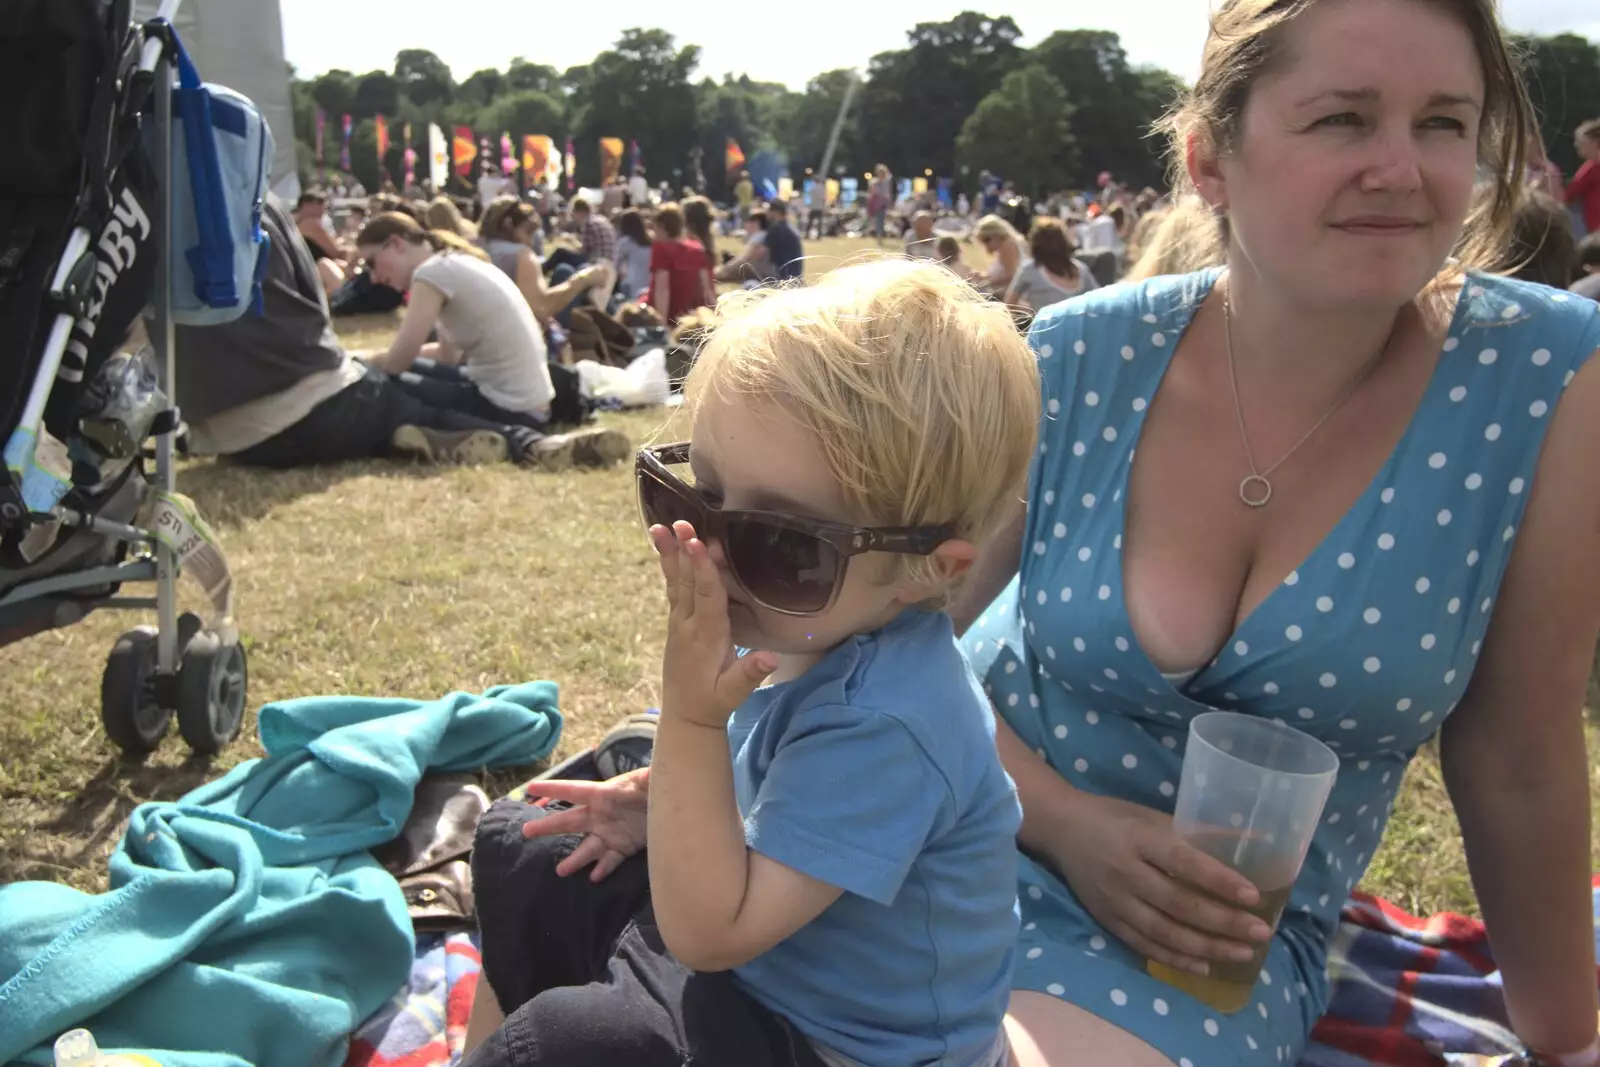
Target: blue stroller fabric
point(247, 924)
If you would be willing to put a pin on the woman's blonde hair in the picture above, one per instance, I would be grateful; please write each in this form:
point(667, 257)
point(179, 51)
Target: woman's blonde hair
point(392, 224)
point(1246, 42)
point(442, 214)
point(995, 226)
point(921, 394)
point(1182, 238)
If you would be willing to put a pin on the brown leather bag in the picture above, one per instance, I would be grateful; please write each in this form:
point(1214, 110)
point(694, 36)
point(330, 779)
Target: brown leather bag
point(429, 856)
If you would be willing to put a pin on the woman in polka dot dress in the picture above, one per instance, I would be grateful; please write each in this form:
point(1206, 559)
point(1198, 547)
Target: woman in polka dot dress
point(1365, 503)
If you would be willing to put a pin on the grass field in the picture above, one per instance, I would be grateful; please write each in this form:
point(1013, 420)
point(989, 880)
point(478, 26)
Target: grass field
point(385, 579)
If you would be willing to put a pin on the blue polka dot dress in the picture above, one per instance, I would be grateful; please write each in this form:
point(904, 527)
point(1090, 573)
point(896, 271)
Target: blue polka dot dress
point(1367, 645)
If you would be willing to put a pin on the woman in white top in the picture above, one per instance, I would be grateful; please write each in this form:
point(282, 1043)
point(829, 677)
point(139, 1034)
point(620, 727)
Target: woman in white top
point(1001, 240)
point(490, 358)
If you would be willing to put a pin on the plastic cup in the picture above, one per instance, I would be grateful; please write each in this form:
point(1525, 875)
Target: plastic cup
point(1251, 796)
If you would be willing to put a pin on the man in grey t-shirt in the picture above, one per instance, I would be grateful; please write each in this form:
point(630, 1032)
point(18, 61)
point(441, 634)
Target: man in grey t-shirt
point(278, 390)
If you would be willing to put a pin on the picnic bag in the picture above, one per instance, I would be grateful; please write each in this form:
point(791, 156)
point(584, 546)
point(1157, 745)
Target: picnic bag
point(221, 152)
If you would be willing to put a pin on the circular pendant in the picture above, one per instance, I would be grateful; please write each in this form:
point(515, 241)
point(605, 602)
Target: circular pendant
point(1255, 491)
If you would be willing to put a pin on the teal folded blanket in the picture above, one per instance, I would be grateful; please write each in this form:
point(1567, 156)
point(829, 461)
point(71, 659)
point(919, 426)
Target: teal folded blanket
point(246, 923)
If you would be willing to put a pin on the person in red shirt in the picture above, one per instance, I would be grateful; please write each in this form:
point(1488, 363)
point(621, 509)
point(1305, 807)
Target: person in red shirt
point(1585, 187)
point(680, 279)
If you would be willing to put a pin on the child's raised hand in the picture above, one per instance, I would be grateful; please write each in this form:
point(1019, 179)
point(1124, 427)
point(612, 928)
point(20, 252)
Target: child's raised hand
point(612, 816)
point(703, 678)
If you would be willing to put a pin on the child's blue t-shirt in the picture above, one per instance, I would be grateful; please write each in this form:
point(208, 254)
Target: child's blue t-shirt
point(876, 772)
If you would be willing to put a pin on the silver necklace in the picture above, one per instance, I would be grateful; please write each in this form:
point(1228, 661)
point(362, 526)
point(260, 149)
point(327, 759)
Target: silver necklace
point(1254, 489)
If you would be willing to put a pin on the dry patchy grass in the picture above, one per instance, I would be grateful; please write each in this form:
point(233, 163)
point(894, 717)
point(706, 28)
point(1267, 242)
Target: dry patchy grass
point(379, 579)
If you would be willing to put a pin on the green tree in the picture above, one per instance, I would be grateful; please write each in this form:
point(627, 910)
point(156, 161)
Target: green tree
point(523, 113)
point(810, 122)
point(481, 88)
point(1563, 75)
point(639, 88)
point(1116, 105)
point(916, 99)
point(377, 93)
point(424, 77)
point(1022, 130)
point(335, 93)
point(756, 114)
point(523, 77)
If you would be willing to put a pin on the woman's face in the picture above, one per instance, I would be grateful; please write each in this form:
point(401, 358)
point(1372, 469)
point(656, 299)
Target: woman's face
point(389, 263)
point(1355, 159)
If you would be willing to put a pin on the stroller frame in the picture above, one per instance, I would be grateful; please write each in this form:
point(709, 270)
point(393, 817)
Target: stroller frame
point(179, 666)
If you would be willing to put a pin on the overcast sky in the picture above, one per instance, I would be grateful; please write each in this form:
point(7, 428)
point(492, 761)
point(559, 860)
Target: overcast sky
point(359, 36)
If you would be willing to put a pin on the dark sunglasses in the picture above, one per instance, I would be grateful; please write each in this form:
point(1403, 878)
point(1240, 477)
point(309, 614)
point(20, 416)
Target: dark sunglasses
point(787, 564)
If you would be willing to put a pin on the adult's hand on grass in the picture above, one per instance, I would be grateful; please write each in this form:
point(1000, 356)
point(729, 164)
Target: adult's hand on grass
point(612, 816)
point(1137, 877)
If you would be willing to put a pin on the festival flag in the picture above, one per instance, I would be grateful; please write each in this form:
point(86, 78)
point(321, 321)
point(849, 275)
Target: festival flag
point(322, 125)
point(830, 189)
point(919, 185)
point(411, 159)
point(344, 150)
point(380, 126)
point(635, 159)
point(785, 189)
point(438, 158)
point(466, 151)
point(572, 167)
point(508, 155)
point(610, 159)
point(733, 156)
point(538, 153)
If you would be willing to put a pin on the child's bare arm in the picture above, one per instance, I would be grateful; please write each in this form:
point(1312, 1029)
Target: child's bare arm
point(717, 903)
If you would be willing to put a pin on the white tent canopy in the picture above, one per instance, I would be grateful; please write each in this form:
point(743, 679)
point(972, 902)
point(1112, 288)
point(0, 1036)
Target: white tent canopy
point(239, 43)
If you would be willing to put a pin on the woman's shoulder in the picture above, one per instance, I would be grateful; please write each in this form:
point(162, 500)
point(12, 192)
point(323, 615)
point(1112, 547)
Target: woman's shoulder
point(1127, 308)
point(1555, 319)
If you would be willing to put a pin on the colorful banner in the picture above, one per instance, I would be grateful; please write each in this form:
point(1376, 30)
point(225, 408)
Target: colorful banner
point(610, 159)
point(538, 153)
point(322, 126)
point(344, 149)
point(438, 158)
point(380, 129)
point(919, 186)
point(635, 160)
point(508, 155)
point(733, 156)
point(786, 189)
point(832, 190)
point(572, 167)
point(465, 151)
point(849, 189)
point(411, 160)
point(947, 193)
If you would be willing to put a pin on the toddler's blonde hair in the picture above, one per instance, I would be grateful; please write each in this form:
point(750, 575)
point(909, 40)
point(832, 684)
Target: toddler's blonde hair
point(923, 397)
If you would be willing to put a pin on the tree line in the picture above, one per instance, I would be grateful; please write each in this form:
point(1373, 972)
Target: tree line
point(963, 95)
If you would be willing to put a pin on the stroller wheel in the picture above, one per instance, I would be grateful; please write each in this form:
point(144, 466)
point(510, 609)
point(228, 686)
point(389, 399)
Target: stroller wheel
point(212, 683)
point(129, 708)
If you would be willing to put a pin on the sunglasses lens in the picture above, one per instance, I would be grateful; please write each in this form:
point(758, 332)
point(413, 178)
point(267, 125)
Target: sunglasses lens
point(784, 569)
point(663, 507)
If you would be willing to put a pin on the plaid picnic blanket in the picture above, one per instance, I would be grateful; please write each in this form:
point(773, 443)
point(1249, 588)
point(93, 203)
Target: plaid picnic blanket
point(1406, 992)
point(1410, 992)
point(425, 1022)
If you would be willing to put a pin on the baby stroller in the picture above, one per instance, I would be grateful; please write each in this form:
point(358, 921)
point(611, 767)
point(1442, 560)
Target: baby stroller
point(85, 221)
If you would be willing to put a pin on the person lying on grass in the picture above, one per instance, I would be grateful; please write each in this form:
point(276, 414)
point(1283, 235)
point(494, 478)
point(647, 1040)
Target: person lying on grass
point(840, 891)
